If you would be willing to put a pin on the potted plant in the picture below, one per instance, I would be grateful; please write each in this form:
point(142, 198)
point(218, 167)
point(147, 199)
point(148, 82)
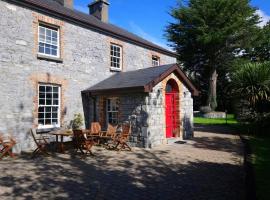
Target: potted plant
point(77, 122)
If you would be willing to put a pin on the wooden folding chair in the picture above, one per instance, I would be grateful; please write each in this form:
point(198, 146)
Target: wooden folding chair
point(7, 147)
point(41, 143)
point(109, 134)
point(82, 143)
point(95, 131)
point(123, 138)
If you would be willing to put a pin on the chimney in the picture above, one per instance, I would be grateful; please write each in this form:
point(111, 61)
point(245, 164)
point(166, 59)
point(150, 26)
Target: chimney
point(66, 3)
point(100, 9)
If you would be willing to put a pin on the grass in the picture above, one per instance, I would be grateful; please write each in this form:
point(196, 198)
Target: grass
point(261, 161)
point(207, 121)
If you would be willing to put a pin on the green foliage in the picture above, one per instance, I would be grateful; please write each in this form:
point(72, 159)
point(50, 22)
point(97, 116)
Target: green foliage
point(252, 83)
point(251, 88)
point(260, 51)
point(207, 34)
point(261, 150)
point(77, 122)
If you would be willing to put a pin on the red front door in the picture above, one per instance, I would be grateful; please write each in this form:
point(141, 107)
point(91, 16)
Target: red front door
point(171, 114)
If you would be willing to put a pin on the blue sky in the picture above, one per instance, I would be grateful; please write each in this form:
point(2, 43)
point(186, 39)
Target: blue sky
point(148, 18)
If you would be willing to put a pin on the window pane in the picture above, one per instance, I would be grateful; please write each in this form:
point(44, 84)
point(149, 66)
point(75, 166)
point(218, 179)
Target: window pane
point(54, 121)
point(42, 38)
point(55, 95)
point(48, 89)
point(41, 49)
point(54, 34)
point(48, 95)
point(54, 52)
point(48, 102)
point(54, 109)
point(48, 115)
point(42, 88)
point(55, 102)
point(48, 109)
point(54, 115)
point(55, 89)
point(41, 121)
point(41, 101)
point(40, 115)
point(41, 109)
point(41, 30)
point(48, 121)
point(48, 32)
point(47, 51)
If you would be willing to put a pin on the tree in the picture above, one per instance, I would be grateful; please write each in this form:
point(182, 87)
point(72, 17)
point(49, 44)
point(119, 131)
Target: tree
point(207, 35)
point(260, 51)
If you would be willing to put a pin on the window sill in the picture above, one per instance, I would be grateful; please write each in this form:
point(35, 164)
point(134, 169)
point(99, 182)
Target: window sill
point(46, 130)
point(49, 58)
point(112, 69)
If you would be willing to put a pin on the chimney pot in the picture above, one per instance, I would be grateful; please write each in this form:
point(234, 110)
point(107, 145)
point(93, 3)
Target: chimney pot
point(100, 9)
point(66, 3)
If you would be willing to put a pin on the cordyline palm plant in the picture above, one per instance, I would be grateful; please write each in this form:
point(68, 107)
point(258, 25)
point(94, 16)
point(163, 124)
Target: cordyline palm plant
point(251, 86)
point(251, 82)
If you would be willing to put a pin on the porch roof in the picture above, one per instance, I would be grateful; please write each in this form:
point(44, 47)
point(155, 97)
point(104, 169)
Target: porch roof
point(142, 80)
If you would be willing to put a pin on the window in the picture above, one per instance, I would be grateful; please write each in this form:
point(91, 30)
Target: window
point(112, 110)
point(48, 106)
point(48, 41)
point(155, 61)
point(116, 54)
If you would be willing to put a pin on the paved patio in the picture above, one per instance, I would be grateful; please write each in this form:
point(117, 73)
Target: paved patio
point(208, 167)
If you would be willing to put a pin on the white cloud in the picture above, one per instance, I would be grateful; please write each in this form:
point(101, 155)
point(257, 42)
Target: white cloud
point(136, 29)
point(264, 17)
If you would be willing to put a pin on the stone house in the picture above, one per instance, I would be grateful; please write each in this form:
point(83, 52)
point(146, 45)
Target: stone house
point(56, 62)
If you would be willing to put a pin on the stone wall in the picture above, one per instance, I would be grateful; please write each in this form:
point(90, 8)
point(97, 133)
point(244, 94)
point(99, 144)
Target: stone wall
point(156, 120)
point(186, 113)
point(86, 61)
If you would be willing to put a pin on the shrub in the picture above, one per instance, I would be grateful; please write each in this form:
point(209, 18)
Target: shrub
point(251, 88)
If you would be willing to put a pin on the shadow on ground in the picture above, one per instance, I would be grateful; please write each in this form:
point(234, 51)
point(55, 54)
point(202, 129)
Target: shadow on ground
point(141, 174)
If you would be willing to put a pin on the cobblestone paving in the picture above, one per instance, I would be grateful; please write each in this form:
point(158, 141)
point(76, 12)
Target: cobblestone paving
point(208, 167)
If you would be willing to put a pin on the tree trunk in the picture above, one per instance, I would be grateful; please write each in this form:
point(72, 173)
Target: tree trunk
point(212, 91)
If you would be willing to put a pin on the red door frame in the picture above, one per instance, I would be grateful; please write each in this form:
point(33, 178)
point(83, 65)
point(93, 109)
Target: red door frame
point(172, 108)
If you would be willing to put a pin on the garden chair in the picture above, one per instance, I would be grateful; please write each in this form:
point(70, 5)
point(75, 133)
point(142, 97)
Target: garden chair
point(7, 146)
point(95, 131)
point(41, 143)
point(123, 138)
point(109, 134)
point(81, 142)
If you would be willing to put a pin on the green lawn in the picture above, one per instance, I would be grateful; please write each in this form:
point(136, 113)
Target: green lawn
point(261, 160)
point(201, 120)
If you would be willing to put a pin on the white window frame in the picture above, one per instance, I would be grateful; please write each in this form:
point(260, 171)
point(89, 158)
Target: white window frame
point(114, 100)
point(58, 40)
point(155, 62)
point(113, 56)
point(41, 126)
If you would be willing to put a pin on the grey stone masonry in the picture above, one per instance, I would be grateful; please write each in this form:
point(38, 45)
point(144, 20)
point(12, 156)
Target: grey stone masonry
point(186, 113)
point(86, 61)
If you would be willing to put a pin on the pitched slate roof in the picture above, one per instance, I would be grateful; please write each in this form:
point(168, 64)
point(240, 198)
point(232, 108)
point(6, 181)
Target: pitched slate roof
point(55, 9)
point(142, 80)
